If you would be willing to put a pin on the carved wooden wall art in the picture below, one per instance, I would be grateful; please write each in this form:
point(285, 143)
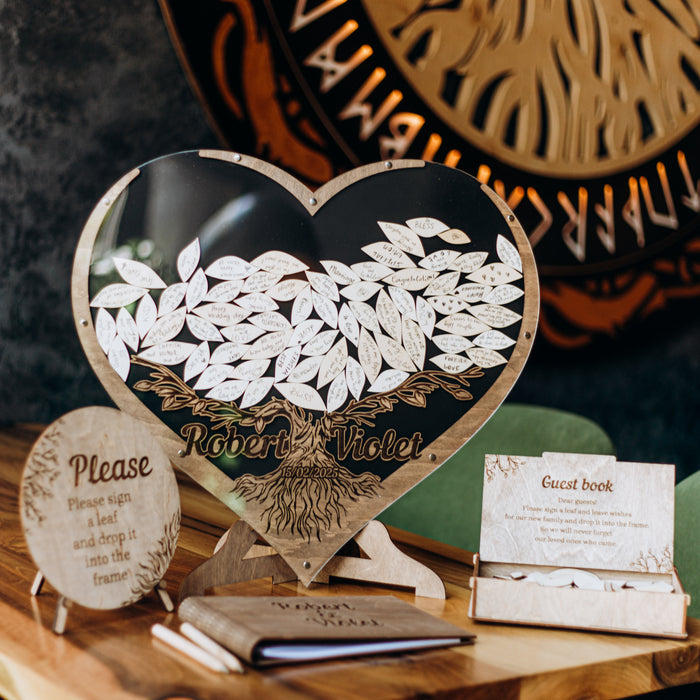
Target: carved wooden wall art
point(306, 356)
point(582, 115)
point(100, 508)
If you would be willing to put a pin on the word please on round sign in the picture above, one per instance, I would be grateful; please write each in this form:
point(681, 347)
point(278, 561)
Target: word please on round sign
point(100, 507)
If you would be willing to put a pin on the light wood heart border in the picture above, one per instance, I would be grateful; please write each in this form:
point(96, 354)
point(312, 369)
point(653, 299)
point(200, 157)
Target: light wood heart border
point(305, 558)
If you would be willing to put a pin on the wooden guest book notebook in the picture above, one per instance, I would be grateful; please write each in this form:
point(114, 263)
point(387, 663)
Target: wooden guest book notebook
point(273, 630)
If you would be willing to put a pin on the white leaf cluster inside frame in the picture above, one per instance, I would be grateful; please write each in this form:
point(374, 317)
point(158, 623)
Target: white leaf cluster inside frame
point(225, 322)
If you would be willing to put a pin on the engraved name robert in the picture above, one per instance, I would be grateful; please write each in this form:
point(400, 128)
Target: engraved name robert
point(350, 443)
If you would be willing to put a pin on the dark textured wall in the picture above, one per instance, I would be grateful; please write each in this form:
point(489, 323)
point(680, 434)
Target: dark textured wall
point(89, 90)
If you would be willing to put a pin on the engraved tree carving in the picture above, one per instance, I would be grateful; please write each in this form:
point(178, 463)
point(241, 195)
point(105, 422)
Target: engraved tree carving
point(281, 345)
point(576, 84)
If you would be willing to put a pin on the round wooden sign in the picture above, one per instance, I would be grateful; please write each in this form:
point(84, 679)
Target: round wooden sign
point(100, 507)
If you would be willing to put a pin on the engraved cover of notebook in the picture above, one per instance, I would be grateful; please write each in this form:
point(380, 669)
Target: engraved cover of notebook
point(246, 625)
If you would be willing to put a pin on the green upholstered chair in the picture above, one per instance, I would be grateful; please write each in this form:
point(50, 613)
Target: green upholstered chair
point(446, 506)
point(686, 547)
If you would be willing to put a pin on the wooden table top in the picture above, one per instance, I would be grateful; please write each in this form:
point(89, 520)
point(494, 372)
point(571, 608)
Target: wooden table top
point(110, 654)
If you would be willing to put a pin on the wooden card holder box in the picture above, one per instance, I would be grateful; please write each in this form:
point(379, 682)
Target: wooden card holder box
point(628, 611)
point(598, 532)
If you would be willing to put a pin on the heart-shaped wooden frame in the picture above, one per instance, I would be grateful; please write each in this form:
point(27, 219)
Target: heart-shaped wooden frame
point(410, 401)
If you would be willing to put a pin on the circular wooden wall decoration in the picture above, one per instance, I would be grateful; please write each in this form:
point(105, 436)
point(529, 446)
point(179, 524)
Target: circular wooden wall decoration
point(583, 116)
point(100, 507)
point(307, 356)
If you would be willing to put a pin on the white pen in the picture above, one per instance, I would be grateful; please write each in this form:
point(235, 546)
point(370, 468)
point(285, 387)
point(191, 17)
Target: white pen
point(214, 648)
point(185, 646)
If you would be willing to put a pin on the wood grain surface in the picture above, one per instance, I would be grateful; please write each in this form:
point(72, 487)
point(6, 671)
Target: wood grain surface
point(111, 653)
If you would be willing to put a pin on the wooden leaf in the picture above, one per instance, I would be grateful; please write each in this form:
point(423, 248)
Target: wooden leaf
point(370, 271)
point(469, 262)
point(388, 254)
point(495, 340)
point(320, 344)
point(323, 285)
point(224, 291)
point(366, 315)
point(305, 331)
point(197, 362)
point(426, 316)
point(462, 324)
point(257, 302)
point(355, 377)
point(360, 291)
point(326, 309)
point(119, 358)
point(369, 355)
point(503, 294)
point(228, 352)
point(414, 342)
point(508, 253)
point(446, 304)
point(333, 363)
point(348, 325)
point(214, 375)
point(146, 314)
point(242, 333)
point(389, 379)
point(394, 353)
point(455, 237)
point(388, 315)
point(280, 262)
point(494, 315)
point(168, 353)
point(165, 328)
point(337, 393)
point(302, 395)
point(403, 237)
point(138, 274)
point(188, 260)
point(268, 346)
point(230, 267)
point(256, 391)
point(452, 344)
point(485, 357)
point(271, 321)
point(197, 289)
point(444, 284)
point(439, 260)
point(127, 330)
point(454, 364)
point(260, 281)
point(171, 298)
point(339, 272)
point(286, 362)
point(303, 306)
point(114, 296)
point(404, 302)
point(426, 227)
point(222, 314)
point(286, 290)
point(306, 370)
point(229, 390)
point(472, 292)
point(495, 274)
point(202, 329)
point(105, 329)
point(251, 370)
point(412, 279)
